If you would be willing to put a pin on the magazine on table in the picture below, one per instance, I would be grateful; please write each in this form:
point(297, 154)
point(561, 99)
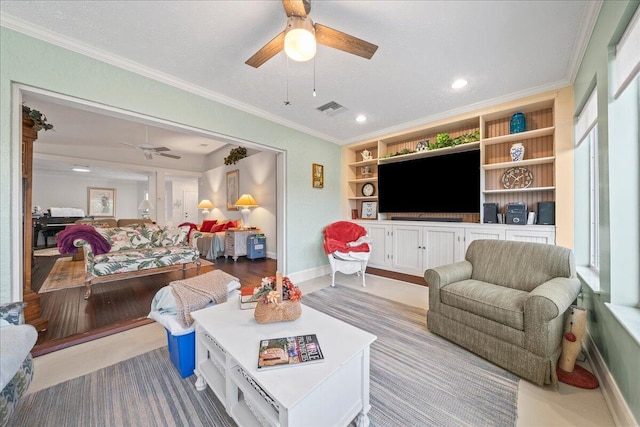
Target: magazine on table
point(288, 351)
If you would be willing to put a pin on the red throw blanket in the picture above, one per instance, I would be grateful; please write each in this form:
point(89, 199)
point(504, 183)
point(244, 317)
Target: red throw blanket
point(191, 227)
point(65, 238)
point(339, 234)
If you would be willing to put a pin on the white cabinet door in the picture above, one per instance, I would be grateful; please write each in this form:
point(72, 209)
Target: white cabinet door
point(534, 236)
point(380, 256)
point(441, 246)
point(478, 233)
point(407, 250)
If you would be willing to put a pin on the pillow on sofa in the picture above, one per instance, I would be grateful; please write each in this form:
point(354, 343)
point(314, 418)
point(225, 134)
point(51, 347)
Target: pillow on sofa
point(144, 236)
point(117, 238)
point(230, 224)
point(175, 236)
point(217, 228)
point(207, 224)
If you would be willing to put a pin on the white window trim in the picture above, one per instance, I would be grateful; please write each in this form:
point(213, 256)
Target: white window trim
point(629, 318)
point(587, 118)
point(627, 63)
point(590, 277)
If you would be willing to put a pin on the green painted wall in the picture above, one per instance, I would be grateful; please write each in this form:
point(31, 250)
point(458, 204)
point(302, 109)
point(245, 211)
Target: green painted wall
point(620, 351)
point(35, 63)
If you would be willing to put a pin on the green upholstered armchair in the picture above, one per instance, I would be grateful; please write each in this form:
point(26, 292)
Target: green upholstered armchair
point(506, 302)
point(16, 363)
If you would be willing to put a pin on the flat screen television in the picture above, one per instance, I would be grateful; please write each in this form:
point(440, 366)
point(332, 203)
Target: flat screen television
point(447, 183)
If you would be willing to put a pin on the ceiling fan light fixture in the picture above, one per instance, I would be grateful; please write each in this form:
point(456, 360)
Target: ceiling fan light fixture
point(300, 39)
point(148, 155)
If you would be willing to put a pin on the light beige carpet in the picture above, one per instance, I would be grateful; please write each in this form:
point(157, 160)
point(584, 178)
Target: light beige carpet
point(67, 273)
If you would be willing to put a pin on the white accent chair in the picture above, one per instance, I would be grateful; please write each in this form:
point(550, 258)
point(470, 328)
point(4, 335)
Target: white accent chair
point(348, 248)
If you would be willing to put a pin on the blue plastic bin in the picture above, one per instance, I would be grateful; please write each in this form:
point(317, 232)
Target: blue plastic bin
point(182, 351)
point(256, 246)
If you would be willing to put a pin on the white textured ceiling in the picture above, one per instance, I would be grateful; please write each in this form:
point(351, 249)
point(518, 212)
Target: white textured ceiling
point(505, 49)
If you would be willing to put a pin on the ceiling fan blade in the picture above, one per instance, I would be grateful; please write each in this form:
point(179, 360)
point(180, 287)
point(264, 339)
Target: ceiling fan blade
point(173, 156)
point(297, 7)
point(267, 52)
point(129, 145)
point(342, 41)
point(158, 149)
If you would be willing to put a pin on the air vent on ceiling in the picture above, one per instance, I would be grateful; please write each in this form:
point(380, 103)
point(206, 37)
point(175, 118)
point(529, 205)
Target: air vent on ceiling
point(331, 108)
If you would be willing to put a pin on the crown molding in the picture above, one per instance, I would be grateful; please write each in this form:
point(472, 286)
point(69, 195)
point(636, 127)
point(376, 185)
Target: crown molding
point(587, 24)
point(460, 111)
point(28, 29)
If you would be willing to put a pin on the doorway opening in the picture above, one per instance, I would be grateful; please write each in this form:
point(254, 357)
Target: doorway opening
point(167, 172)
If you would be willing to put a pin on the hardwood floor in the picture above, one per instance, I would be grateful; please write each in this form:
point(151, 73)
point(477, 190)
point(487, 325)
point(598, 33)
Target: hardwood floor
point(116, 306)
point(120, 305)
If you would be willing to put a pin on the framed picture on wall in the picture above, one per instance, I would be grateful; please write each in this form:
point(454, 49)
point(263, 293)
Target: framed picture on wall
point(101, 202)
point(369, 210)
point(233, 188)
point(317, 175)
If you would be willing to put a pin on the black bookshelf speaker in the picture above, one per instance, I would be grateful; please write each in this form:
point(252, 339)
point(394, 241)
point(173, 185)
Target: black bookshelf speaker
point(516, 213)
point(546, 213)
point(490, 213)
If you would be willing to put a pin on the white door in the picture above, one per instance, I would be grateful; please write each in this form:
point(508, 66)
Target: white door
point(380, 256)
point(441, 246)
point(407, 250)
point(483, 232)
point(189, 206)
point(533, 236)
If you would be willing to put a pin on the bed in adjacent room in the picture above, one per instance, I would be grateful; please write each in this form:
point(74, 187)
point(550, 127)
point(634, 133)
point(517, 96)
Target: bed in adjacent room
point(211, 244)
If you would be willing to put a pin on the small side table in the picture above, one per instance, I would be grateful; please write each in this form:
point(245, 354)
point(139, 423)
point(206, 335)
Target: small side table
point(235, 242)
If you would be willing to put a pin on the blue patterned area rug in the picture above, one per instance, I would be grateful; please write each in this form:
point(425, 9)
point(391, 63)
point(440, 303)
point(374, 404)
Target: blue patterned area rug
point(416, 379)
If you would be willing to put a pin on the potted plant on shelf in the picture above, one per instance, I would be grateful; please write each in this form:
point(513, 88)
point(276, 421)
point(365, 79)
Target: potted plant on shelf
point(39, 119)
point(234, 155)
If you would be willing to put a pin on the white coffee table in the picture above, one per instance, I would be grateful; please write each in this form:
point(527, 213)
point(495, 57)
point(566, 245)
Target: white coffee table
point(333, 392)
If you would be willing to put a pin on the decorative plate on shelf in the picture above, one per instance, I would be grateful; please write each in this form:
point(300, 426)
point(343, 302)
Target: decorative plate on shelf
point(368, 190)
point(518, 177)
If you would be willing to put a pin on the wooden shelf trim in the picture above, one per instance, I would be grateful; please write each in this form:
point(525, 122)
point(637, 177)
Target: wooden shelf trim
point(364, 163)
point(513, 137)
point(518, 190)
point(363, 198)
point(469, 146)
point(361, 180)
point(528, 162)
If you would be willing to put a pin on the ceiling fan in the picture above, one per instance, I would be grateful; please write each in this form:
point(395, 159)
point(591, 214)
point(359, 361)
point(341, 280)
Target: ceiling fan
point(150, 150)
point(300, 35)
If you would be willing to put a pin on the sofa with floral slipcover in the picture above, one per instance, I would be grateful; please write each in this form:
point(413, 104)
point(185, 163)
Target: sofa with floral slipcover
point(139, 248)
point(16, 363)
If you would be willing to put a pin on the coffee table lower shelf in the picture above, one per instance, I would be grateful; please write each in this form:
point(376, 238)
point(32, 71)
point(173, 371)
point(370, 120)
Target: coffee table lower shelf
point(334, 392)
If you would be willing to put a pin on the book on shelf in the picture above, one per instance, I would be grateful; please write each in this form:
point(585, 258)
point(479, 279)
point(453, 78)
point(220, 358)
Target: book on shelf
point(246, 293)
point(288, 351)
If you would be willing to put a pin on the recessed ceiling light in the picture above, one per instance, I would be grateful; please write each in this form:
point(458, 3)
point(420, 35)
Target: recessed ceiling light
point(361, 118)
point(459, 84)
point(81, 169)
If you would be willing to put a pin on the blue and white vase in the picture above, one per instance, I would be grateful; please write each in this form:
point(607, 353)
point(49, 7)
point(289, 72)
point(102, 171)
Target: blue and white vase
point(518, 123)
point(517, 152)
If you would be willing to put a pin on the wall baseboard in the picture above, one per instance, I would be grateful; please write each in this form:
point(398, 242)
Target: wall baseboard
point(312, 273)
point(622, 415)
